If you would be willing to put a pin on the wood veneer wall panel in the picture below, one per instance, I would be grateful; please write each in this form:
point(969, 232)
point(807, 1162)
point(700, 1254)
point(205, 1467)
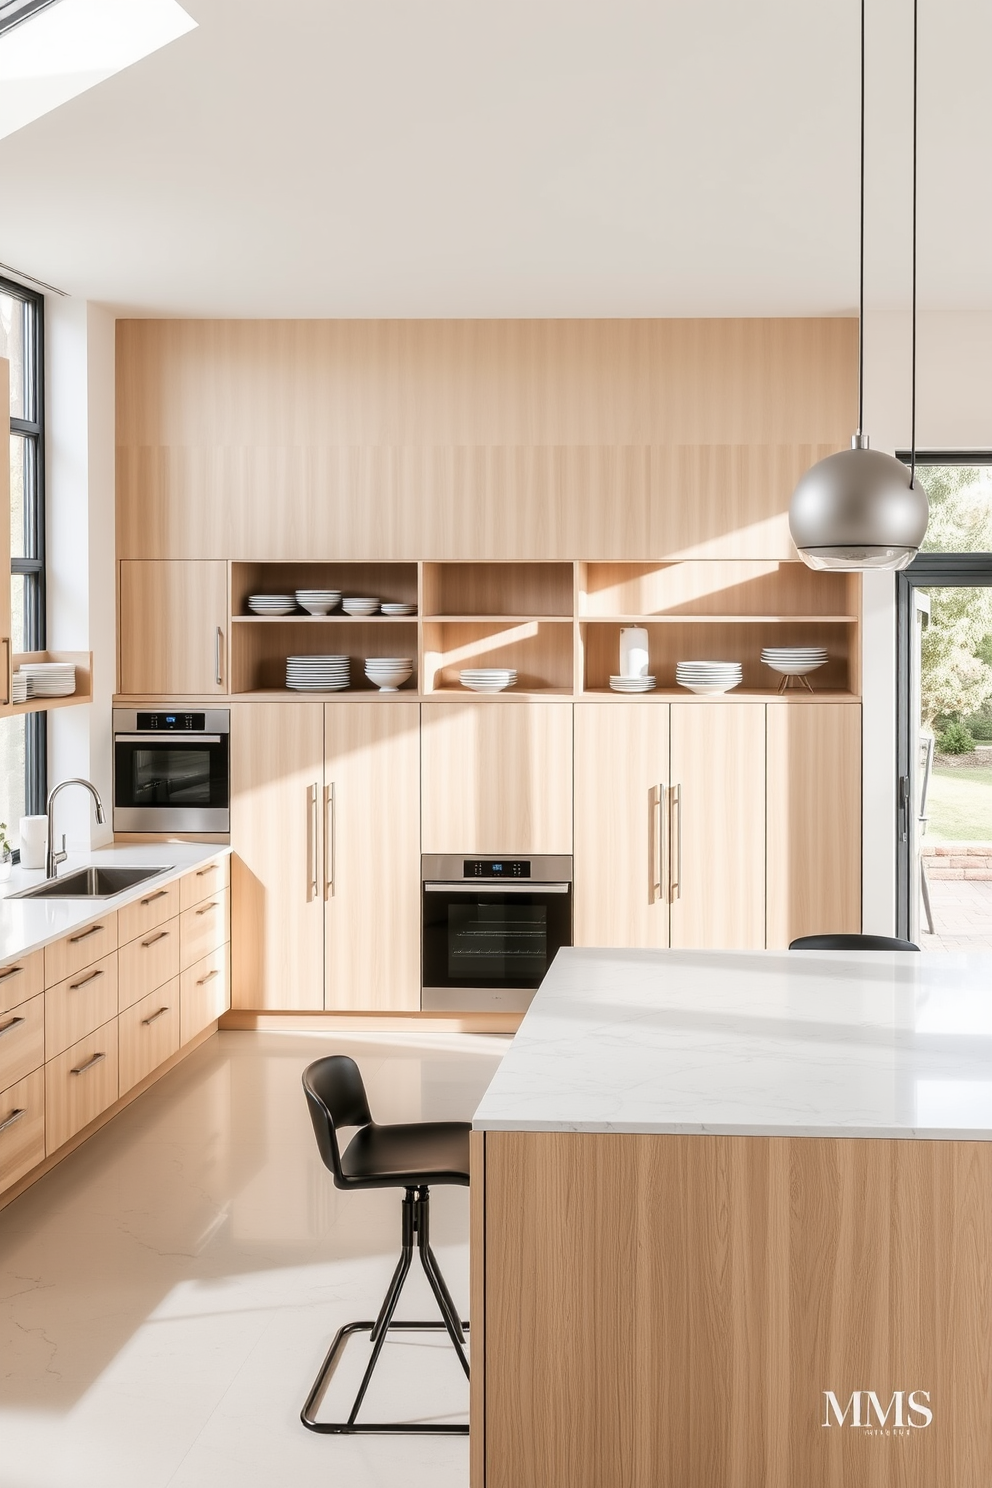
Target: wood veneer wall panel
point(477, 1309)
point(459, 439)
point(671, 1309)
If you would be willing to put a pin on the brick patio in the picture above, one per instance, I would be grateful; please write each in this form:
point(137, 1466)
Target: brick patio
point(962, 913)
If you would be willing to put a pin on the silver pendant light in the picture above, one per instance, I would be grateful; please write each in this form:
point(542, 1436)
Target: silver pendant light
point(861, 508)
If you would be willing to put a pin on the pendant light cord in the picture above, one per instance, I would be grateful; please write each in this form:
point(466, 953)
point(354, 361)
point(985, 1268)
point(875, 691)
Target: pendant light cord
point(861, 270)
point(912, 465)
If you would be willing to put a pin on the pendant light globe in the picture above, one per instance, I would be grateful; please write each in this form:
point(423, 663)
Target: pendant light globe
point(858, 509)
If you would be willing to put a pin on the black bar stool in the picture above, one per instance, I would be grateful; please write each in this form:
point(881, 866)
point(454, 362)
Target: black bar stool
point(410, 1156)
point(852, 943)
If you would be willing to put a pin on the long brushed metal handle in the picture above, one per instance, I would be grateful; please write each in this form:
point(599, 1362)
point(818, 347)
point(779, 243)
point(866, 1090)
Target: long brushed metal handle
point(75, 986)
point(7, 1027)
point(93, 930)
point(329, 820)
point(81, 1069)
point(218, 644)
point(312, 841)
point(11, 971)
point(154, 939)
point(146, 1021)
point(675, 848)
point(208, 978)
point(162, 894)
point(656, 800)
point(9, 671)
point(15, 1115)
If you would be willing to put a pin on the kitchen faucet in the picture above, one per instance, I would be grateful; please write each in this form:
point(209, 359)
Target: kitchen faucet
point(53, 858)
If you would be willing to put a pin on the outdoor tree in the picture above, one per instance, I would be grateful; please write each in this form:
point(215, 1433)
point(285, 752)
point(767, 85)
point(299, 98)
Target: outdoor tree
point(957, 645)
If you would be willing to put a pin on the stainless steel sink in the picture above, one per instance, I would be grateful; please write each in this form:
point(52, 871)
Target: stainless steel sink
point(90, 883)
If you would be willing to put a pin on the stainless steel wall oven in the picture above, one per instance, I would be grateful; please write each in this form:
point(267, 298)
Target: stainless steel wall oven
point(172, 770)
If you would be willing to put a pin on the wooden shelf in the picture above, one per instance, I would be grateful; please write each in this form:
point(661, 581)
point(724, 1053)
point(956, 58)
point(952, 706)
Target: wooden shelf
point(323, 619)
point(741, 694)
point(718, 619)
point(508, 694)
point(83, 661)
point(497, 619)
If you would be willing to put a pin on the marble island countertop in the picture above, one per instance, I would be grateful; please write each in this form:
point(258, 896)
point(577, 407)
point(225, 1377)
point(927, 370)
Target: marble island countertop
point(28, 924)
point(753, 1043)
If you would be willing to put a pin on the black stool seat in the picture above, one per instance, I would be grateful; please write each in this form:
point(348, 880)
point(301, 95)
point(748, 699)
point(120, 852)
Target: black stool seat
point(852, 943)
point(408, 1156)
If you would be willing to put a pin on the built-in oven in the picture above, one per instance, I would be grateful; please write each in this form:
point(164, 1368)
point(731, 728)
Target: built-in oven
point(491, 929)
point(172, 770)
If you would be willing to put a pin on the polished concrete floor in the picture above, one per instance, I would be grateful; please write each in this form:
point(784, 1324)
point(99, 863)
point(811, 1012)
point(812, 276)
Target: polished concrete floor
point(168, 1292)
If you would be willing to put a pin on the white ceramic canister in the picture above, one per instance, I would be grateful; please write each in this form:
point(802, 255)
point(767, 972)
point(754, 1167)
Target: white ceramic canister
point(633, 651)
point(34, 837)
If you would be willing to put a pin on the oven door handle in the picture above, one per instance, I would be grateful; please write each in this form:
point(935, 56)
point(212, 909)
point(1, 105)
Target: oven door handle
point(178, 736)
point(512, 886)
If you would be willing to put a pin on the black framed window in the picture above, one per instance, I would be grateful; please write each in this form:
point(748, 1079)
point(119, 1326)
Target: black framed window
point(23, 738)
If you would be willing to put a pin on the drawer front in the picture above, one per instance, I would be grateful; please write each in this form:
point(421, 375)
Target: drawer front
point(80, 1004)
point(21, 980)
point(151, 910)
point(79, 1084)
point(84, 946)
point(206, 992)
point(148, 962)
point(22, 1128)
point(204, 928)
point(148, 1034)
point(209, 878)
point(22, 1040)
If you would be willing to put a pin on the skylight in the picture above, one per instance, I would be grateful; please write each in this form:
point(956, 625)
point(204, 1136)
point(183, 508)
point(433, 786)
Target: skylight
point(53, 50)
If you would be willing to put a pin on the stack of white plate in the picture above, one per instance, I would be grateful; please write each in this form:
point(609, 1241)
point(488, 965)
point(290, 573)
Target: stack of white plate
point(794, 661)
point(487, 679)
point(318, 601)
point(388, 672)
point(399, 609)
point(271, 604)
point(20, 688)
point(708, 676)
point(49, 678)
point(632, 684)
point(360, 606)
point(317, 673)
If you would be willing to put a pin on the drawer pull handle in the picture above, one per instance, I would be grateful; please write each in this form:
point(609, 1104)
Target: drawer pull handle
point(14, 1116)
point(93, 930)
point(75, 986)
point(207, 907)
point(162, 935)
point(8, 1026)
point(210, 868)
point(145, 1021)
point(81, 1069)
point(162, 894)
point(11, 971)
point(208, 978)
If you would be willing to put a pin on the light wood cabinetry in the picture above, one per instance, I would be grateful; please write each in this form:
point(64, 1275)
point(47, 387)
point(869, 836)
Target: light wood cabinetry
point(621, 826)
point(22, 1040)
point(63, 958)
point(718, 826)
point(814, 822)
point(148, 1034)
point(204, 881)
point(82, 1002)
point(22, 1128)
point(205, 992)
point(277, 771)
point(203, 928)
point(372, 857)
point(21, 979)
point(497, 779)
point(148, 962)
point(80, 1084)
point(147, 913)
point(173, 628)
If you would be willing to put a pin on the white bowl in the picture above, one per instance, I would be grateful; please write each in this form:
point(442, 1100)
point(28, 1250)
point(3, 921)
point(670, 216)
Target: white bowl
point(356, 606)
point(390, 681)
point(399, 609)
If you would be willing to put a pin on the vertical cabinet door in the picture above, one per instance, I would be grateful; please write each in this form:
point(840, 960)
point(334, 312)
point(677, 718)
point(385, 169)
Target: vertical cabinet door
point(173, 626)
point(6, 639)
point(814, 820)
point(717, 812)
point(277, 935)
point(621, 871)
point(372, 856)
point(497, 777)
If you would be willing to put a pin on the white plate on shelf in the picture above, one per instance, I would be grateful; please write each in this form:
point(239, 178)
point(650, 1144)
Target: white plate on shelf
point(632, 684)
point(399, 609)
point(358, 606)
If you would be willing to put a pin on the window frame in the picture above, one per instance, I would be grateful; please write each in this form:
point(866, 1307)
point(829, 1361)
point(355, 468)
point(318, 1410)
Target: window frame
point(35, 607)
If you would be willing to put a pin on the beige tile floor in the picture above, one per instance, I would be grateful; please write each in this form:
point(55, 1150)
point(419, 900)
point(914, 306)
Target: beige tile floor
point(962, 916)
point(168, 1292)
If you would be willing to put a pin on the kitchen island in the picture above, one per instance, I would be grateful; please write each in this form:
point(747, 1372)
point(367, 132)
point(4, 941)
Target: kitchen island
point(732, 1225)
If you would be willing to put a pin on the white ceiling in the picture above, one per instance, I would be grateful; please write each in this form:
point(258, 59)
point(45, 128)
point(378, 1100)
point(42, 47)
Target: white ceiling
point(519, 158)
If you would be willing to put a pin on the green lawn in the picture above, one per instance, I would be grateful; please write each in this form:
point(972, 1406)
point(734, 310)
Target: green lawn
point(960, 806)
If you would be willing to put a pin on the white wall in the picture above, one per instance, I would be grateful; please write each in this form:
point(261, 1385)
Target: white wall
point(80, 441)
point(954, 411)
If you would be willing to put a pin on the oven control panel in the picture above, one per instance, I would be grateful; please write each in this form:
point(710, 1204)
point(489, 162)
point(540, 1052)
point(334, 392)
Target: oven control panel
point(497, 868)
point(186, 723)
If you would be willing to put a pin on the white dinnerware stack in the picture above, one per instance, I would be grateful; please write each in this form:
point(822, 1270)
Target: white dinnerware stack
point(20, 687)
point(388, 673)
point(794, 662)
point(272, 604)
point(632, 684)
point(48, 679)
point(357, 606)
point(317, 673)
point(318, 601)
point(488, 679)
point(708, 676)
point(399, 609)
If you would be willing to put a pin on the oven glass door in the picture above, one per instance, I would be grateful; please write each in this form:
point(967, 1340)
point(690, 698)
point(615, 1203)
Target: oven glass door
point(484, 938)
point(163, 773)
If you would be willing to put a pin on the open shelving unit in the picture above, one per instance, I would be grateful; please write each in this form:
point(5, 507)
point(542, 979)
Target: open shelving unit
point(558, 624)
point(84, 682)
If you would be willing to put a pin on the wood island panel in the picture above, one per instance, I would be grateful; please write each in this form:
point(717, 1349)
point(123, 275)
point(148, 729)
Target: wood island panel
point(666, 1310)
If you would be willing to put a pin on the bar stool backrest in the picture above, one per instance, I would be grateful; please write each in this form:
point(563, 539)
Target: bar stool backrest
point(336, 1097)
point(852, 943)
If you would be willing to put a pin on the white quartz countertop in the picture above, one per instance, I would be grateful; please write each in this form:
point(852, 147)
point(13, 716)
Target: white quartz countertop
point(753, 1043)
point(28, 924)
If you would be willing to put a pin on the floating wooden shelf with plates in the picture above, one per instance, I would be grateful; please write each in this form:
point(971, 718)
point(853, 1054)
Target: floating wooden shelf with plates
point(83, 663)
